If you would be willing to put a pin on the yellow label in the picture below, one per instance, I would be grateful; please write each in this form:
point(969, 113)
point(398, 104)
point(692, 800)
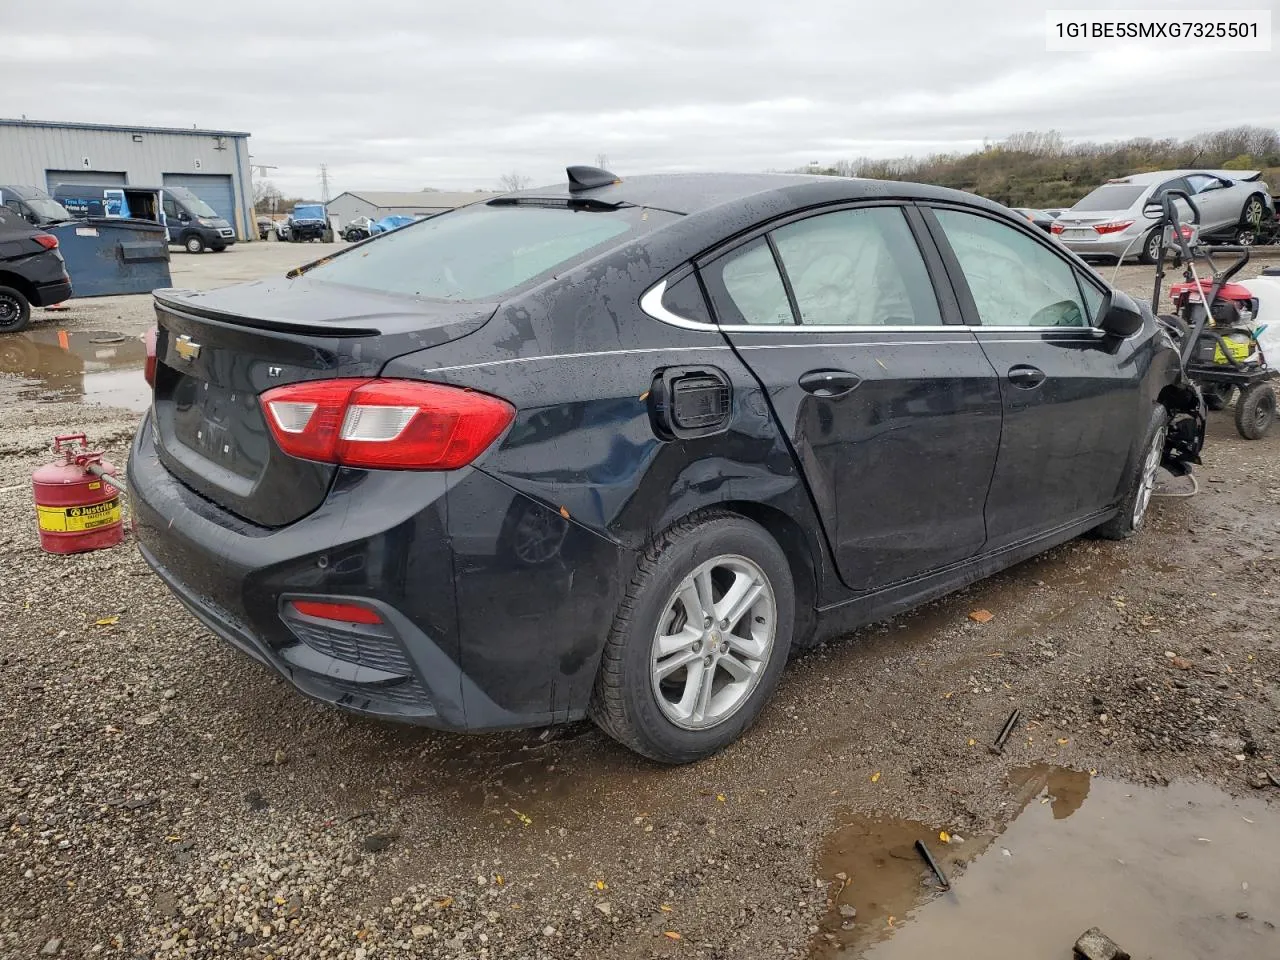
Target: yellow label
point(95, 485)
point(79, 519)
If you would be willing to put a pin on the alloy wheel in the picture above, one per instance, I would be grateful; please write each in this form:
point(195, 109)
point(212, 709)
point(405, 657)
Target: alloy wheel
point(713, 642)
point(1147, 483)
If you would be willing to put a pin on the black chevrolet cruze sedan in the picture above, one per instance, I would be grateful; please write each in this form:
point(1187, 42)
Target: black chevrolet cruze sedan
point(615, 448)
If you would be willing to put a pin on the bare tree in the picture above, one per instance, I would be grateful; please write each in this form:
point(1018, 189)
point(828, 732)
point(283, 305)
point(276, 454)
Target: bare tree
point(515, 180)
point(266, 198)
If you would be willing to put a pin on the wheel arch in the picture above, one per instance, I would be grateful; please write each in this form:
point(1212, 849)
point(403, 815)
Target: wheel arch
point(805, 555)
point(19, 283)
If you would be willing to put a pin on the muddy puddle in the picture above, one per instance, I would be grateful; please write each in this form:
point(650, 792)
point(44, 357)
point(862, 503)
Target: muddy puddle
point(1183, 871)
point(90, 366)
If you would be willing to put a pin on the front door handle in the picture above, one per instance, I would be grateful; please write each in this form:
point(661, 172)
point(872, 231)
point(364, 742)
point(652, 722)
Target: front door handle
point(829, 383)
point(1026, 377)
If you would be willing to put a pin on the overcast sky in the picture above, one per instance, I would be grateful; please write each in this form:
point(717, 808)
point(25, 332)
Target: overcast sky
point(395, 94)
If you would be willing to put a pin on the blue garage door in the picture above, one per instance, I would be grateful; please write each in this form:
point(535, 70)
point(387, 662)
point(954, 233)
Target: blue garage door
point(213, 189)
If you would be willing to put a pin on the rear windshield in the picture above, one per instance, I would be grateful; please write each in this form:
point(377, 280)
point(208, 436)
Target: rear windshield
point(1111, 196)
point(481, 252)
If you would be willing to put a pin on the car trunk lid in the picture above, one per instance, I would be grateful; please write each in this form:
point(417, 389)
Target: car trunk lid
point(218, 350)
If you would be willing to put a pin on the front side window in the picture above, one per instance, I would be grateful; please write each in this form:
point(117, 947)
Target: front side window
point(857, 268)
point(1015, 281)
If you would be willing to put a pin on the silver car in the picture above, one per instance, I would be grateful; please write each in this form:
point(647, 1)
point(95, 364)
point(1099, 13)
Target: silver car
point(1111, 221)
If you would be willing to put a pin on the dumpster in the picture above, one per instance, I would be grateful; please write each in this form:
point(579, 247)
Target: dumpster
point(109, 256)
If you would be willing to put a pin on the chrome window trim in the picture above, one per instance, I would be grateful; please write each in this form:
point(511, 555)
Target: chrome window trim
point(652, 305)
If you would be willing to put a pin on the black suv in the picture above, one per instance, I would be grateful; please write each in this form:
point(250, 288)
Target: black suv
point(31, 271)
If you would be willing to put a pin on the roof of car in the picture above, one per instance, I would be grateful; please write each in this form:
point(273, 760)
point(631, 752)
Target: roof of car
point(690, 193)
point(1159, 176)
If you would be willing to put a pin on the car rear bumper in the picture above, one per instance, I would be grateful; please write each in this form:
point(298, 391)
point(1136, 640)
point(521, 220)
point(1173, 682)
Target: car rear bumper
point(1126, 245)
point(477, 633)
point(47, 294)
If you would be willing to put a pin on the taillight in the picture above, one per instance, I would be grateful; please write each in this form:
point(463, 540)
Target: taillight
point(342, 612)
point(149, 371)
point(46, 240)
point(1115, 226)
point(384, 424)
point(1056, 228)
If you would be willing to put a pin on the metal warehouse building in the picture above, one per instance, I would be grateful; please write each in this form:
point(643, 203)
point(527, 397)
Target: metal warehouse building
point(212, 164)
point(376, 204)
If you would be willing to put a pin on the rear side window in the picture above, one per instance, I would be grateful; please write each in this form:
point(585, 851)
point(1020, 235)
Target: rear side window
point(857, 268)
point(1111, 196)
point(746, 287)
point(482, 252)
point(1015, 281)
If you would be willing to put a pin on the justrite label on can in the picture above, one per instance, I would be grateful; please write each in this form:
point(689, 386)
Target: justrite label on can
point(79, 519)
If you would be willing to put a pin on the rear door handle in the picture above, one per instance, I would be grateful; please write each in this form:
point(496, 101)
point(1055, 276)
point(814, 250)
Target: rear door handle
point(1026, 377)
point(829, 383)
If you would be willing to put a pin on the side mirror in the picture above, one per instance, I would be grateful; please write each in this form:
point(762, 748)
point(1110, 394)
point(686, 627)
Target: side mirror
point(1121, 315)
point(184, 217)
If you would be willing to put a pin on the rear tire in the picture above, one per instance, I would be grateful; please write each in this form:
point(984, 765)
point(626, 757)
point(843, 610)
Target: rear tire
point(1253, 211)
point(15, 310)
point(1142, 479)
point(193, 244)
point(667, 638)
point(1256, 411)
point(1150, 247)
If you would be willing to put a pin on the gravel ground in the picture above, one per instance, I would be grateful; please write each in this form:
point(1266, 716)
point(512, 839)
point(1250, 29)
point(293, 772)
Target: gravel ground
point(163, 797)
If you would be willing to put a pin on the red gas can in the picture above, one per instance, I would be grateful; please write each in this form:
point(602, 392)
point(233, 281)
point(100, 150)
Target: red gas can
point(76, 509)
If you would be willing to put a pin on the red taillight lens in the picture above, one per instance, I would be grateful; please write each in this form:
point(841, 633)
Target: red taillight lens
point(1056, 228)
point(1115, 226)
point(343, 612)
point(149, 371)
point(384, 424)
point(46, 240)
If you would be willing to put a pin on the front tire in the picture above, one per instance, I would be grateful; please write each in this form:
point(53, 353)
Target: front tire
point(699, 642)
point(1256, 411)
point(193, 244)
point(1142, 481)
point(15, 310)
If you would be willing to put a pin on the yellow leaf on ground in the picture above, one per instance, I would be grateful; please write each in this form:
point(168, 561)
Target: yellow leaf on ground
point(671, 935)
point(875, 777)
point(973, 742)
point(981, 616)
point(499, 879)
point(601, 885)
point(520, 816)
point(108, 621)
point(720, 797)
point(1063, 741)
point(664, 908)
point(944, 836)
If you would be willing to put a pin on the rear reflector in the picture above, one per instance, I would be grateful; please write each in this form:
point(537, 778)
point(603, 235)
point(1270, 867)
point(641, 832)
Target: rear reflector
point(384, 424)
point(46, 240)
point(1056, 228)
point(149, 371)
point(342, 612)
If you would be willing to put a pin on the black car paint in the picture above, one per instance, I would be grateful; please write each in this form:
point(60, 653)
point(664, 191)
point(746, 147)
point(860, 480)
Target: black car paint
point(512, 569)
point(38, 273)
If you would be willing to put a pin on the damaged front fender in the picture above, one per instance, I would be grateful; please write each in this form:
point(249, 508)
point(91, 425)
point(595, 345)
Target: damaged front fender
point(1185, 438)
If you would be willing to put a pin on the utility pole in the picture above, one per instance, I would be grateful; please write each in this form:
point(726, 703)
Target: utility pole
point(324, 183)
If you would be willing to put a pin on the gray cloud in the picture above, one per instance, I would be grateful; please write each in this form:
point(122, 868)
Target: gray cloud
point(394, 94)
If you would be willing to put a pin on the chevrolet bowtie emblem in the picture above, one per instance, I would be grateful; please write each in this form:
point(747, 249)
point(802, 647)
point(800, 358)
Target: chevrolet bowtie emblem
point(186, 348)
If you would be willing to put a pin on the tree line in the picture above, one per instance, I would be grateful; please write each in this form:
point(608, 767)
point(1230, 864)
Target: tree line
point(1041, 169)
